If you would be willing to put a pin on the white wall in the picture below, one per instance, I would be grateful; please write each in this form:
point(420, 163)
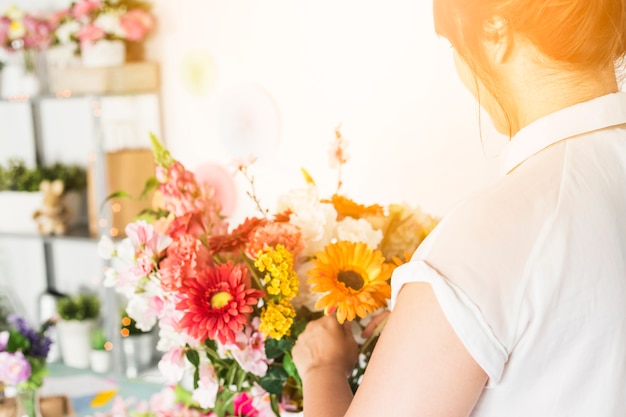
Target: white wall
point(374, 67)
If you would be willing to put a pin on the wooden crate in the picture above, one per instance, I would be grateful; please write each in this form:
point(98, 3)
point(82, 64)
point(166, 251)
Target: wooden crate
point(128, 78)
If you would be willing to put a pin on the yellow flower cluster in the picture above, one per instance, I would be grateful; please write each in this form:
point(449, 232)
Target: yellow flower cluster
point(280, 278)
point(277, 318)
point(281, 282)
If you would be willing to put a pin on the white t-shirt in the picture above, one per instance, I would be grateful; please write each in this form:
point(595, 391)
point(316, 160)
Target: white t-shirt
point(531, 272)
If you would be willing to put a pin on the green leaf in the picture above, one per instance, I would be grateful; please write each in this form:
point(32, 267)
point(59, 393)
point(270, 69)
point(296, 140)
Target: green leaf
point(274, 404)
point(274, 380)
point(290, 367)
point(162, 156)
point(193, 357)
point(275, 348)
point(17, 341)
point(151, 184)
point(182, 396)
point(116, 194)
point(224, 403)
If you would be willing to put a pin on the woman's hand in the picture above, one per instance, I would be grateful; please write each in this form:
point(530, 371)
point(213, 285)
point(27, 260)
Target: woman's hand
point(376, 321)
point(326, 344)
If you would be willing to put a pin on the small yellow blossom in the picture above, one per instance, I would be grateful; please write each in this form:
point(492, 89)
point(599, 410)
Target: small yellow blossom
point(280, 278)
point(277, 319)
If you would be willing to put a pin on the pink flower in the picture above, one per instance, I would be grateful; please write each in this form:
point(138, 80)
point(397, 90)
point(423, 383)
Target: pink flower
point(276, 233)
point(89, 34)
point(242, 406)
point(206, 393)
point(147, 240)
point(193, 223)
point(5, 22)
point(14, 368)
point(58, 16)
point(136, 24)
point(185, 259)
point(165, 404)
point(249, 349)
point(83, 8)
point(172, 365)
point(38, 32)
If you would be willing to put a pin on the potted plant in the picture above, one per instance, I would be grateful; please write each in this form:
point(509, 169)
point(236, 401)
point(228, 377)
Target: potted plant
point(138, 346)
point(21, 197)
point(78, 317)
point(100, 357)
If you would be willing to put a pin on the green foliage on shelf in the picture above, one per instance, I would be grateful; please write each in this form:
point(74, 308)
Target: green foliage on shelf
point(98, 339)
point(82, 306)
point(16, 176)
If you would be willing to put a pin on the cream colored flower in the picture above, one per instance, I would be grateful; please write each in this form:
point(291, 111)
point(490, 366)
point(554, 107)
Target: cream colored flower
point(358, 230)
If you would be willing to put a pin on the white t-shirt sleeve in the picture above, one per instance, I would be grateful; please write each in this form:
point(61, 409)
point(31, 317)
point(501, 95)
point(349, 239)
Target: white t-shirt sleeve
point(462, 314)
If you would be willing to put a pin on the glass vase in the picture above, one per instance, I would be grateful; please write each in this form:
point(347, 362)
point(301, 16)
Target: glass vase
point(27, 402)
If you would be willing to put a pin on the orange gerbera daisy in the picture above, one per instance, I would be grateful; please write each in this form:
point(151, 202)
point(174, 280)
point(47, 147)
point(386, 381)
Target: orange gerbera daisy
point(354, 278)
point(218, 302)
point(348, 208)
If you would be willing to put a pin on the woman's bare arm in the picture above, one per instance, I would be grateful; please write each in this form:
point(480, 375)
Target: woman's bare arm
point(419, 367)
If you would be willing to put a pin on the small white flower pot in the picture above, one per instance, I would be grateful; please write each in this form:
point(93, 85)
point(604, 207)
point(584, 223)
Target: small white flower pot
point(100, 361)
point(75, 341)
point(104, 53)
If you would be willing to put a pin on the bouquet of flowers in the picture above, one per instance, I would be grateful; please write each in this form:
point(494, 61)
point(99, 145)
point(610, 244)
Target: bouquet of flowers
point(88, 21)
point(23, 353)
point(25, 32)
point(230, 303)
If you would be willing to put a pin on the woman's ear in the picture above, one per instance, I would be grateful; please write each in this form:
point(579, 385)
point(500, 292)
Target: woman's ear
point(498, 40)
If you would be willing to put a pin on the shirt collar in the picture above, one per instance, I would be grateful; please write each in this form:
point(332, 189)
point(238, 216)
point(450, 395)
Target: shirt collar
point(598, 113)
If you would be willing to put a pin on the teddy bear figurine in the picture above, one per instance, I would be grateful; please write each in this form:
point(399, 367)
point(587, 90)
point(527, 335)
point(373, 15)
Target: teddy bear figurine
point(52, 216)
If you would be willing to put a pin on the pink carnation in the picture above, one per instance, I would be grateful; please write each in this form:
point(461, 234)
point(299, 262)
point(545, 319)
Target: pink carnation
point(136, 24)
point(83, 8)
point(38, 32)
point(277, 233)
point(185, 258)
point(89, 34)
point(14, 368)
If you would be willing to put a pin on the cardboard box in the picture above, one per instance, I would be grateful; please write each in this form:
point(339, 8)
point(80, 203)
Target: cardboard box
point(127, 78)
point(127, 170)
point(51, 406)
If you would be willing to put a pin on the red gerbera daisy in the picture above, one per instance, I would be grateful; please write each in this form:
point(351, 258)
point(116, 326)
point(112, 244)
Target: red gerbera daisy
point(218, 302)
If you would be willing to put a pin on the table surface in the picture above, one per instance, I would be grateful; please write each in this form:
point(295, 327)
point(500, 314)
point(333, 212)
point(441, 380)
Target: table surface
point(82, 386)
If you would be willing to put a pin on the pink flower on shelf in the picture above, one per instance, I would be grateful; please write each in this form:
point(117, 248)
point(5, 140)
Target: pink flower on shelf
point(275, 233)
point(186, 257)
point(217, 302)
point(57, 17)
point(136, 24)
point(14, 368)
point(38, 32)
point(83, 8)
point(5, 23)
point(89, 34)
point(249, 349)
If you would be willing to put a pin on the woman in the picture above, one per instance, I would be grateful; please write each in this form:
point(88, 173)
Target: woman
point(516, 304)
